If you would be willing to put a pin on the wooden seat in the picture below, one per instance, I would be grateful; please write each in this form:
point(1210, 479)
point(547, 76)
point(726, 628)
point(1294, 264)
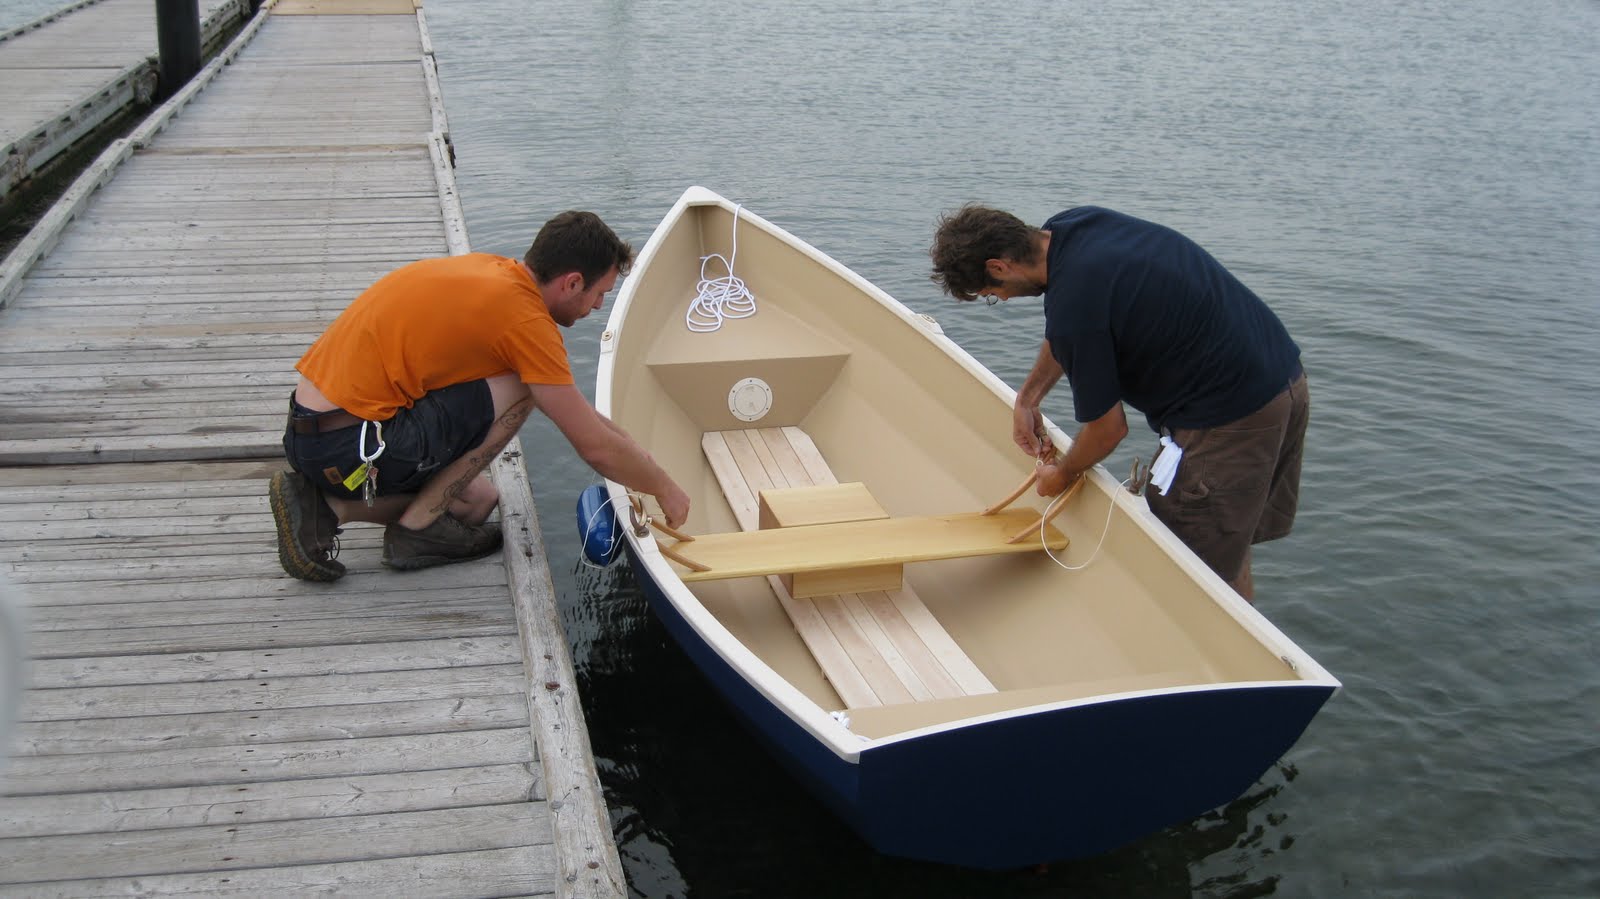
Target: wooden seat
point(875, 647)
point(853, 544)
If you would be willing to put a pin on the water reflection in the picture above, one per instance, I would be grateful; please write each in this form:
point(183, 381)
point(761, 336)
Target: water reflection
point(696, 800)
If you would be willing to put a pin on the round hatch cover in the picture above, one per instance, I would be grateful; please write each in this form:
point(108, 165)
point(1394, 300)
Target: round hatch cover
point(750, 399)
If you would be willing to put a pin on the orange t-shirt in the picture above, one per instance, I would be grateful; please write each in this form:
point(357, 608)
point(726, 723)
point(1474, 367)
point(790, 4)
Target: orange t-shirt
point(435, 323)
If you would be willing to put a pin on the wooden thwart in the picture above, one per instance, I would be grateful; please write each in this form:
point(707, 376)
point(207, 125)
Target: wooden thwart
point(854, 544)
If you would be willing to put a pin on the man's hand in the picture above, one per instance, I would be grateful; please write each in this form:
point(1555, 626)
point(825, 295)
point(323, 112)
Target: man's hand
point(674, 505)
point(1025, 427)
point(1054, 478)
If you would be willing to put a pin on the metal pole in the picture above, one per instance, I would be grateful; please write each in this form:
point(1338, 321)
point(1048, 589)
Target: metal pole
point(178, 39)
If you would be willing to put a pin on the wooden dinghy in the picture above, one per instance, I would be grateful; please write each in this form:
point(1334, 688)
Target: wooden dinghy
point(938, 680)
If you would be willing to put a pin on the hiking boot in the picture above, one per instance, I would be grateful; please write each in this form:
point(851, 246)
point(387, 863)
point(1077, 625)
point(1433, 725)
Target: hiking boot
point(446, 540)
point(308, 541)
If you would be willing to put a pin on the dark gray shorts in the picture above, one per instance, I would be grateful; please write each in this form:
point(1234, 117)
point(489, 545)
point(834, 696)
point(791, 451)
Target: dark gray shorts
point(438, 429)
point(1238, 484)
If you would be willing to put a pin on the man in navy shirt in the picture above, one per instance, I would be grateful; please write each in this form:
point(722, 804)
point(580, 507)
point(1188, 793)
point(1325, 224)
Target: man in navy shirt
point(1135, 312)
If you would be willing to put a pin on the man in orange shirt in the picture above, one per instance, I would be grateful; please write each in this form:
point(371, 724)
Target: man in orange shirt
point(418, 385)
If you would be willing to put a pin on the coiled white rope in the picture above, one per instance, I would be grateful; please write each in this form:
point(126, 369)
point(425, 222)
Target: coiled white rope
point(1112, 500)
point(722, 298)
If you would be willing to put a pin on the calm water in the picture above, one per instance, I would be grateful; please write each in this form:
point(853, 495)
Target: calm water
point(16, 13)
point(1416, 192)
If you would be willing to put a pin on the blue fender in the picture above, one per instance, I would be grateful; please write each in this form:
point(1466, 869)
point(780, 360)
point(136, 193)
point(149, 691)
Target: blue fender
point(597, 526)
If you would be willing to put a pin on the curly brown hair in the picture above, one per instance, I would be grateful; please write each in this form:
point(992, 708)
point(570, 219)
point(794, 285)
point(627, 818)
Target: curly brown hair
point(968, 238)
point(579, 242)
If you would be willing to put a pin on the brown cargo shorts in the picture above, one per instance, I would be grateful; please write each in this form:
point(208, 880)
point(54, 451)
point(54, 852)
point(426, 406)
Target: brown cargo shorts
point(1238, 484)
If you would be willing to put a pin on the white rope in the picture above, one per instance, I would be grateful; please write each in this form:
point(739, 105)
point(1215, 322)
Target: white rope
point(722, 298)
point(1103, 532)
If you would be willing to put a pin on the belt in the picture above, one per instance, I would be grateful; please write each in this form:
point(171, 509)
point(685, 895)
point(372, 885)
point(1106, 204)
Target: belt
point(320, 422)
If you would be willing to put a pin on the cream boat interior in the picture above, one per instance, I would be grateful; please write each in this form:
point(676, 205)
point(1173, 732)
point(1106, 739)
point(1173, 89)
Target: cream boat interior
point(862, 390)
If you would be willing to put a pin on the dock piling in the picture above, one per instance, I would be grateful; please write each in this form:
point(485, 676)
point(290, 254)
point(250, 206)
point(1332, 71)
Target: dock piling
point(178, 39)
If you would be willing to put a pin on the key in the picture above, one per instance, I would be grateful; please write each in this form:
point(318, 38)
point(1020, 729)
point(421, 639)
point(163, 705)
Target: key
point(369, 487)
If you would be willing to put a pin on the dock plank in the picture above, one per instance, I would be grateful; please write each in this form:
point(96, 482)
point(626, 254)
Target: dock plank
point(267, 693)
point(284, 800)
point(524, 870)
point(244, 764)
point(220, 847)
point(195, 667)
point(448, 714)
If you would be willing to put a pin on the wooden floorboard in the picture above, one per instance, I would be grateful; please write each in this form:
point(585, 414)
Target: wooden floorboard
point(196, 721)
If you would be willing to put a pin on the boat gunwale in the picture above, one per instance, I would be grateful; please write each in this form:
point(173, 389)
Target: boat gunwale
point(777, 689)
point(1046, 708)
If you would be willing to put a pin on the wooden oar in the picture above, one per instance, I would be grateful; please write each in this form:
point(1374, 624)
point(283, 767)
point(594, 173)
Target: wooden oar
point(1047, 454)
point(1021, 489)
point(670, 532)
point(1050, 512)
point(669, 551)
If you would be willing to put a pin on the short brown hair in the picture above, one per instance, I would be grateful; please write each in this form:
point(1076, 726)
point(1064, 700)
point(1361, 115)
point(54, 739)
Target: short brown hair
point(577, 242)
point(968, 238)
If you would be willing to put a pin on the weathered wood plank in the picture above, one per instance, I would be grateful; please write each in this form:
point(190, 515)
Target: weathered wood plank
point(22, 496)
point(293, 661)
point(266, 693)
point(282, 800)
point(524, 870)
point(254, 612)
point(185, 504)
point(112, 473)
point(451, 714)
point(159, 448)
point(585, 849)
point(484, 622)
point(177, 567)
point(244, 521)
point(310, 841)
point(488, 575)
point(245, 543)
point(102, 771)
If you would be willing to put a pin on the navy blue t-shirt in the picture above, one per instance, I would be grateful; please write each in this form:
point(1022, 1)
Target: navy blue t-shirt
point(1137, 312)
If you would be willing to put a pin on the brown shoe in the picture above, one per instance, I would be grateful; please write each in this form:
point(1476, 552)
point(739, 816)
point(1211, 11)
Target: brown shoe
point(308, 541)
point(446, 540)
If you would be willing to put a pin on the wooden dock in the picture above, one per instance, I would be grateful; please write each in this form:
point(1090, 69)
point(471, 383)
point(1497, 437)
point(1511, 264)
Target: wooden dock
point(70, 72)
point(197, 721)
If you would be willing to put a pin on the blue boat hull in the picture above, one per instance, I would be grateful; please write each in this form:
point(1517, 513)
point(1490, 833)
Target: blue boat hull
point(1019, 791)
